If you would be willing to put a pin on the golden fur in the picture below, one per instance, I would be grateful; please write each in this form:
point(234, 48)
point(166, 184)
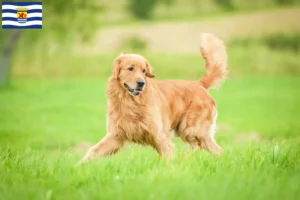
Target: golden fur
point(148, 115)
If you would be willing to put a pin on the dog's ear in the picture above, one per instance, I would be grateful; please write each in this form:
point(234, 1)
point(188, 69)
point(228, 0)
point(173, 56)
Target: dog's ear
point(149, 70)
point(117, 67)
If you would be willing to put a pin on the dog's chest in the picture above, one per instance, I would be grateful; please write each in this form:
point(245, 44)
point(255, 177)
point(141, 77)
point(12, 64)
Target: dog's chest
point(137, 130)
point(133, 124)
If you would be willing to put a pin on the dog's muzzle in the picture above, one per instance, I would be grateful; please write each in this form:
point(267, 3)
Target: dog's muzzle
point(137, 91)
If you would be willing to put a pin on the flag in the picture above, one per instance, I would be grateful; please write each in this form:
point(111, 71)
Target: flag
point(24, 15)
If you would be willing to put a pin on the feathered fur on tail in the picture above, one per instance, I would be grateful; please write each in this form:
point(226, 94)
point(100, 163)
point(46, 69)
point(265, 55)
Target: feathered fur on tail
point(214, 53)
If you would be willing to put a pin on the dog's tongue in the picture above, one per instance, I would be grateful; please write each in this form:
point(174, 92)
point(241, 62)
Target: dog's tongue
point(138, 91)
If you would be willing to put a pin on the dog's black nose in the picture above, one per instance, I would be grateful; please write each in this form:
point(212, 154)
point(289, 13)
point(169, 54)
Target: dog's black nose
point(140, 83)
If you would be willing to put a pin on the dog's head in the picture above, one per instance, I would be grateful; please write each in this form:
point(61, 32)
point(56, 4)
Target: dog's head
point(132, 71)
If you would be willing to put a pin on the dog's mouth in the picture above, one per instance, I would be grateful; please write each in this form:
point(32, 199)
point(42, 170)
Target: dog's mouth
point(134, 92)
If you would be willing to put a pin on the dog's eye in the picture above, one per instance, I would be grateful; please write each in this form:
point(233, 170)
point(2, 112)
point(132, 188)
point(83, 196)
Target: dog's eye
point(130, 68)
point(144, 71)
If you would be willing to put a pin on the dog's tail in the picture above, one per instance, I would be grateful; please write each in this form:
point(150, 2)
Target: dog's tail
point(214, 53)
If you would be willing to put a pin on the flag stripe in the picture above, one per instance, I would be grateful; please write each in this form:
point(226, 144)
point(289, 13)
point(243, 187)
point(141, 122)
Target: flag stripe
point(28, 11)
point(21, 3)
point(16, 19)
point(14, 15)
point(18, 24)
point(11, 7)
point(21, 27)
point(33, 18)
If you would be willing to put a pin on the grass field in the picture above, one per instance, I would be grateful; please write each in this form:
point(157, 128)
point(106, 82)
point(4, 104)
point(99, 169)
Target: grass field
point(42, 120)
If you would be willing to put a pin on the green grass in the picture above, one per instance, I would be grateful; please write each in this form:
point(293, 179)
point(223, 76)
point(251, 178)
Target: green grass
point(41, 120)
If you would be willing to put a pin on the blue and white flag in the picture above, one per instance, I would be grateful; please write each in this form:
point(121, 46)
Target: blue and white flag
point(23, 15)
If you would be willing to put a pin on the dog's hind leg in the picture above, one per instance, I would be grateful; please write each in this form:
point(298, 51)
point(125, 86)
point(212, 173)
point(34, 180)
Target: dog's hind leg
point(164, 146)
point(208, 143)
point(199, 134)
point(107, 146)
point(202, 140)
point(206, 138)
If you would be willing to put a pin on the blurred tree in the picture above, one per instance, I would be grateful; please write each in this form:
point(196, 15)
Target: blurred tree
point(142, 9)
point(72, 19)
point(225, 4)
point(6, 55)
point(287, 2)
point(283, 41)
point(168, 2)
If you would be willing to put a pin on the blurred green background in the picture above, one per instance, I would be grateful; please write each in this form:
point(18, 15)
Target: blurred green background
point(80, 38)
point(53, 104)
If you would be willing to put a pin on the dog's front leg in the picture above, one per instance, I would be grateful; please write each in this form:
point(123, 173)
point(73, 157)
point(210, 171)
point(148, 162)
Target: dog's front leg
point(107, 146)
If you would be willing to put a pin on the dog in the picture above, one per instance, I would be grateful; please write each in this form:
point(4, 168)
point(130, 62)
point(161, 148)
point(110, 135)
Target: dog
point(145, 111)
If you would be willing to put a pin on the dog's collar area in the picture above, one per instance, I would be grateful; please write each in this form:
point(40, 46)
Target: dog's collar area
point(134, 92)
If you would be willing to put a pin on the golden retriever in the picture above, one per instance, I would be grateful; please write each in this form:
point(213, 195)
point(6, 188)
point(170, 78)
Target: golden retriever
point(145, 111)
